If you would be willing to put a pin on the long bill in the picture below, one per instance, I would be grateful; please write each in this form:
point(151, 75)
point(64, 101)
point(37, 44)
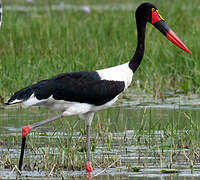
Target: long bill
point(165, 30)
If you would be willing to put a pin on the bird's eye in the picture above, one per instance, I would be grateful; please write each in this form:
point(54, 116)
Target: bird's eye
point(155, 16)
point(156, 10)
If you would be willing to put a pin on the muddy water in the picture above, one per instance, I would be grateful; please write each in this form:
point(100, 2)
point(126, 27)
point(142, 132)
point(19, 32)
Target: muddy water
point(142, 118)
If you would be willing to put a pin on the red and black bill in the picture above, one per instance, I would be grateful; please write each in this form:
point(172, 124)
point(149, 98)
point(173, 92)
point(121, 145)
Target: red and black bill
point(162, 26)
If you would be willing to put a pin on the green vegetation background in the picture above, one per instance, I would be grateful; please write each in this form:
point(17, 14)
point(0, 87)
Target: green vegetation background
point(38, 44)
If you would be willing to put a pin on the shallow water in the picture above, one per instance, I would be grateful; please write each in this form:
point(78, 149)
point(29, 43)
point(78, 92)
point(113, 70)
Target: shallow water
point(137, 128)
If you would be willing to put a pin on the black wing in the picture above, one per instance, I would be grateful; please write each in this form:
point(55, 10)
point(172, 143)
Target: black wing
point(83, 87)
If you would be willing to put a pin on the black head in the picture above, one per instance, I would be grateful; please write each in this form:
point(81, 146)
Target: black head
point(148, 13)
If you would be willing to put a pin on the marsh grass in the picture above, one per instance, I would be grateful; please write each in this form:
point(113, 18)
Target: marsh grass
point(58, 151)
point(36, 45)
point(165, 144)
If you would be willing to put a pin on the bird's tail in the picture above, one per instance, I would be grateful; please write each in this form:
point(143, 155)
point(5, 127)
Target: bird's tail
point(29, 91)
point(1, 13)
point(21, 96)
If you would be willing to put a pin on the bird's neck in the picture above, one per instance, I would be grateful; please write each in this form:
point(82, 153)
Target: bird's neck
point(137, 57)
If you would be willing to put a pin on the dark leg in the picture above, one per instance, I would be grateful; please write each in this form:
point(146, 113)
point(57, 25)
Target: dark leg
point(25, 132)
point(22, 153)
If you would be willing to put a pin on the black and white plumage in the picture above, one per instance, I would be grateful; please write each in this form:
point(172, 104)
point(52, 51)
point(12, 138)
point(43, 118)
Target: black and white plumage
point(77, 92)
point(84, 93)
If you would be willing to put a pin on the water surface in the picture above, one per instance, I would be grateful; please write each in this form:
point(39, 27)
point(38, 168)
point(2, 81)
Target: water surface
point(138, 132)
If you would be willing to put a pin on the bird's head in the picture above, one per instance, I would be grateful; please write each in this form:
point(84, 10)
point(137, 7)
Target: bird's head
point(149, 13)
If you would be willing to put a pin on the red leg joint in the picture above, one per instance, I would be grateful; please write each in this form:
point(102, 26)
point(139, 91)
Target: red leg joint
point(25, 131)
point(88, 166)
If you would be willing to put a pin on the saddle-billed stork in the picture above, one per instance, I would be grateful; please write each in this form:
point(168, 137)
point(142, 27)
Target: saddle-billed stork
point(84, 93)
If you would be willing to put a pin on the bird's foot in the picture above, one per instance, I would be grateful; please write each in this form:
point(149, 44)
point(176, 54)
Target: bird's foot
point(88, 176)
point(25, 131)
point(88, 166)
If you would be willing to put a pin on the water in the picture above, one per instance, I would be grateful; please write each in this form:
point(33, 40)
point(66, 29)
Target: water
point(152, 135)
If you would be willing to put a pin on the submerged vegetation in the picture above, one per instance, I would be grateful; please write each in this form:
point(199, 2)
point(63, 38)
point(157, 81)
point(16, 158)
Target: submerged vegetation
point(131, 139)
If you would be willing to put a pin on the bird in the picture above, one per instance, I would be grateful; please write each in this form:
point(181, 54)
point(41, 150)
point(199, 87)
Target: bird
point(86, 92)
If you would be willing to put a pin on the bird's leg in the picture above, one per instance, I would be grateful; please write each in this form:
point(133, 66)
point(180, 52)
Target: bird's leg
point(88, 165)
point(25, 132)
